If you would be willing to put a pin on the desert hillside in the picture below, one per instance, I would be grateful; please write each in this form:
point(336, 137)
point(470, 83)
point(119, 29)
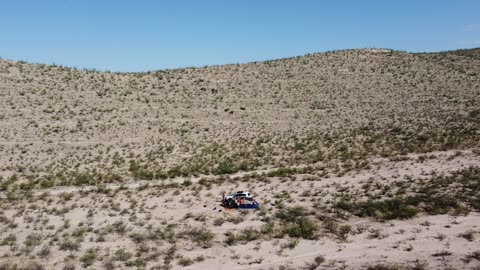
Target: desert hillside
point(360, 159)
point(350, 104)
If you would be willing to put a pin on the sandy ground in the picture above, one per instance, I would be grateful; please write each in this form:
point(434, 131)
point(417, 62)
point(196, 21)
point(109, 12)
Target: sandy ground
point(407, 242)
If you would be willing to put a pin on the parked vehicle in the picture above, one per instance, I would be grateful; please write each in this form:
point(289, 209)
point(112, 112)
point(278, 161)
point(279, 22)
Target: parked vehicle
point(241, 199)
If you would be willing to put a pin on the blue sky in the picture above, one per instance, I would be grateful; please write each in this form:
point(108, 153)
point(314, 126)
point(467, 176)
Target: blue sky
point(151, 35)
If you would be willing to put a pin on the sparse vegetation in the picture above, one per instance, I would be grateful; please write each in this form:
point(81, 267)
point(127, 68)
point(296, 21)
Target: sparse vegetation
point(124, 170)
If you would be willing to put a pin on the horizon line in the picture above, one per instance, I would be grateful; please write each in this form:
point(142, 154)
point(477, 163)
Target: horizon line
point(95, 70)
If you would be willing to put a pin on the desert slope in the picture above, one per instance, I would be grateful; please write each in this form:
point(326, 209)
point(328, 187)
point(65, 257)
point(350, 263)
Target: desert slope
point(64, 119)
point(350, 152)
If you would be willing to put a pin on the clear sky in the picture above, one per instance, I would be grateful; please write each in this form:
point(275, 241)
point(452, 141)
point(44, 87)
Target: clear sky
point(140, 35)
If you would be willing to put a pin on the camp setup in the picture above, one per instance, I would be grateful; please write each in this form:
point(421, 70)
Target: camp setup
point(241, 199)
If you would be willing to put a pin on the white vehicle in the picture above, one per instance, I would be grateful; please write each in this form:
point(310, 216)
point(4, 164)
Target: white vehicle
point(241, 199)
point(243, 194)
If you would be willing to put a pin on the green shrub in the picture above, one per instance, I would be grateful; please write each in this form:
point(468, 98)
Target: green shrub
point(201, 236)
point(44, 251)
point(440, 204)
point(5, 184)
point(475, 255)
point(268, 228)
point(33, 240)
point(249, 234)
point(218, 221)
point(291, 214)
point(303, 228)
point(185, 261)
point(139, 263)
point(387, 209)
point(122, 255)
point(231, 238)
point(9, 240)
point(89, 257)
point(468, 235)
point(384, 267)
point(343, 232)
point(244, 236)
point(330, 226)
point(281, 172)
point(457, 192)
point(226, 167)
point(316, 263)
point(140, 172)
point(26, 265)
point(442, 253)
point(68, 244)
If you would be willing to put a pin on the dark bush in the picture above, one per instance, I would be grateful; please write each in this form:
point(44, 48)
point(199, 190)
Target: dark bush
point(291, 214)
point(303, 228)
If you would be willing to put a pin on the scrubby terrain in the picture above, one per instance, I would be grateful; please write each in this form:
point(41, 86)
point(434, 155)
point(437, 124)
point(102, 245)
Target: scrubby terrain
point(361, 159)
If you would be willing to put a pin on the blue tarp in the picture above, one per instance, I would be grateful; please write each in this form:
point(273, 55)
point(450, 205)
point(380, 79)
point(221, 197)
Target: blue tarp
point(254, 205)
